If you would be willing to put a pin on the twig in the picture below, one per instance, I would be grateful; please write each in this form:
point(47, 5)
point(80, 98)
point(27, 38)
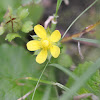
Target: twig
point(25, 96)
point(79, 49)
point(39, 80)
point(94, 97)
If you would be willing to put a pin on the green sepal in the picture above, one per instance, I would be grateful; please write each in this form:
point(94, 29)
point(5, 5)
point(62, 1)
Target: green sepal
point(59, 44)
point(37, 52)
point(35, 37)
point(22, 13)
point(12, 36)
point(27, 27)
point(1, 30)
point(49, 56)
point(48, 30)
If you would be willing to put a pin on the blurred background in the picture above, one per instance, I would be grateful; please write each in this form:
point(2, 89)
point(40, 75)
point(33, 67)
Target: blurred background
point(40, 10)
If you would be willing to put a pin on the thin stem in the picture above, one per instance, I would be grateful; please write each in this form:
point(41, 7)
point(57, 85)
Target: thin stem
point(53, 25)
point(78, 18)
point(39, 80)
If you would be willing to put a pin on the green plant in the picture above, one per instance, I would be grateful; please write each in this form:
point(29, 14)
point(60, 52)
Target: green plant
point(22, 77)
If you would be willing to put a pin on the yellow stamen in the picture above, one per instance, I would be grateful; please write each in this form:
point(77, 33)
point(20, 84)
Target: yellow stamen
point(45, 43)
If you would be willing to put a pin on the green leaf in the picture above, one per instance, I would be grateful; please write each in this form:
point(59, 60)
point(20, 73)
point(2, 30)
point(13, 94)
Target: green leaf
point(92, 83)
point(22, 13)
point(88, 40)
point(48, 30)
point(12, 36)
point(89, 72)
point(27, 27)
point(47, 92)
point(58, 5)
point(65, 70)
point(65, 60)
point(1, 30)
point(17, 63)
point(81, 68)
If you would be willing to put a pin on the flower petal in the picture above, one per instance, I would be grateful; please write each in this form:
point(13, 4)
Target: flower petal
point(33, 45)
point(55, 51)
point(42, 56)
point(40, 31)
point(55, 36)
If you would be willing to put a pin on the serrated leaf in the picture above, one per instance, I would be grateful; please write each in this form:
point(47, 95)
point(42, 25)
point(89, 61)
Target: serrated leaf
point(27, 27)
point(81, 81)
point(17, 26)
point(93, 83)
point(1, 30)
point(12, 36)
point(22, 13)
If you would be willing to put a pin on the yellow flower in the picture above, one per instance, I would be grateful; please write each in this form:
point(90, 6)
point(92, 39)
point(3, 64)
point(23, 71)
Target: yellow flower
point(45, 44)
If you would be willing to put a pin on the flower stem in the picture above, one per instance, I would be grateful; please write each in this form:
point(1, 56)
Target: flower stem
point(53, 26)
point(54, 22)
point(39, 79)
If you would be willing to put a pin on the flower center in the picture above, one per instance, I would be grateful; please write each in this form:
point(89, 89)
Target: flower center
point(45, 43)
